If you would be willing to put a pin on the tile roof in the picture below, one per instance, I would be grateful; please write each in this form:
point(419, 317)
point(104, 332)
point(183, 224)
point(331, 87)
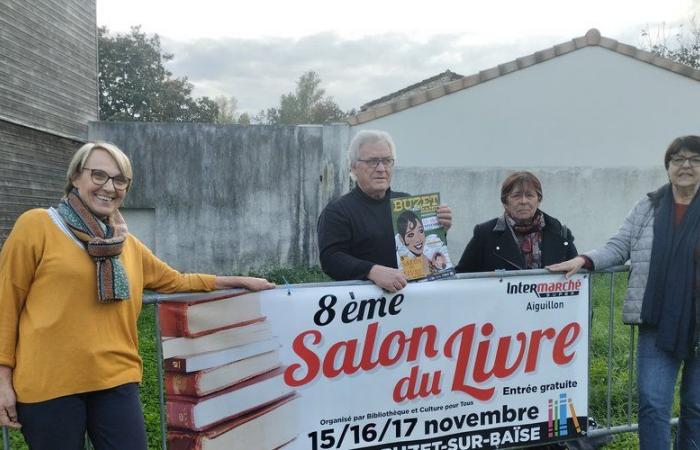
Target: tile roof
point(591, 38)
point(424, 85)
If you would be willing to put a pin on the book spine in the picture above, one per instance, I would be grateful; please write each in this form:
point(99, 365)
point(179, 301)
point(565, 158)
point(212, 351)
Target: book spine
point(175, 365)
point(177, 383)
point(183, 441)
point(180, 414)
point(173, 319)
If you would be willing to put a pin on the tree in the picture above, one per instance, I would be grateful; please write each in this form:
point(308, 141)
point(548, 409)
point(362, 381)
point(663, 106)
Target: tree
point(228, 111)
point(134, 85)
point(308, 104)
point(685, 49)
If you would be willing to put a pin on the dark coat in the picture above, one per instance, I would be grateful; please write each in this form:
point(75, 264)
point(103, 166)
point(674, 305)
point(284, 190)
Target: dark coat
point(493, 247)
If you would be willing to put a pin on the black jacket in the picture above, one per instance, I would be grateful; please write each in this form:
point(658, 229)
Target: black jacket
point(493, 247)
point(355, 233)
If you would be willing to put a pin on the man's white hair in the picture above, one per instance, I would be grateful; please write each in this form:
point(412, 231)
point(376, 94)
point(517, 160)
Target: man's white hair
point(368, 137)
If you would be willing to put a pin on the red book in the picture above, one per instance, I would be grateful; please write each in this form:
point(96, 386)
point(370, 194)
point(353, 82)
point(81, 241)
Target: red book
point(266, 428)
point(197, 314)
point(241, 334)
point(196, 414)
point(204, 382)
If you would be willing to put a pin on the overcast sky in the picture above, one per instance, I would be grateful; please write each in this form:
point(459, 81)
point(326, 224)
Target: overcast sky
point(256, 50)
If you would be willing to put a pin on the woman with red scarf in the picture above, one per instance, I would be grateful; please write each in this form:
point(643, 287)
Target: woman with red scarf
point(522, 238)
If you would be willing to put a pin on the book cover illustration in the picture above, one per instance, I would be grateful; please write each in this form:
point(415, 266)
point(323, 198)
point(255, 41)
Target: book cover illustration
point(421, 242)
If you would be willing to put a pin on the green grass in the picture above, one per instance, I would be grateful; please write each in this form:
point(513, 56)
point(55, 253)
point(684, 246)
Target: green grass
point(598, 357)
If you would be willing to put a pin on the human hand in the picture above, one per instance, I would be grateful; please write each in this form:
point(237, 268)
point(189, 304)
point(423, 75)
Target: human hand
point(8, 400)
point(250, 283)
point(444, 216)
point(387, 278)
point(570, 267)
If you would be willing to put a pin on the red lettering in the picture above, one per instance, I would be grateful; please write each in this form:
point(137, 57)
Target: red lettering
point(308, 356)
point(465, 335)
point(533, 352)
point(566, 337)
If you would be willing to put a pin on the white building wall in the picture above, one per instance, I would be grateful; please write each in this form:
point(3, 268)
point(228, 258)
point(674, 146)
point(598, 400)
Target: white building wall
point(592, 107)
point(593, 125)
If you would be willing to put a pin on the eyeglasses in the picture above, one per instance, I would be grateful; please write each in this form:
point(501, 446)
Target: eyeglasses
point(100, 178)
point(388, 163)
point(527, 194)
point(679, 161)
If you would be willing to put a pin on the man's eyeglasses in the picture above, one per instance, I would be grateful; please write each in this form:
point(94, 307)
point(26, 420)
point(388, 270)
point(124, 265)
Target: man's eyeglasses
point(100, 178)
point(388, 163)
point(678, 161)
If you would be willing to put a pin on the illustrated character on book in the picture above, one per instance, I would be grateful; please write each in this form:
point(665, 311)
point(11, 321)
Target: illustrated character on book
point(411, 237)
point(71, 286)
point(355, 231)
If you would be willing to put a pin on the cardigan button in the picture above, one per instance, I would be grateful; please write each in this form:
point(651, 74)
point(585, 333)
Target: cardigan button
point(498, 248)
point(566, 243)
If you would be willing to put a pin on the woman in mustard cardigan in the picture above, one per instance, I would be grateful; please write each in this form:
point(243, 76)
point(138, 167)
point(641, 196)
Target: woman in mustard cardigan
point(71, 283)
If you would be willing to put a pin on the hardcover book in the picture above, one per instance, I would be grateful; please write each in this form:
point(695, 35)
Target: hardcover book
point(204, 382)
point(421, 242)
point(230, 337)
point(267, 428)
point(199, 314)
point(198, 413)
point(207, 360)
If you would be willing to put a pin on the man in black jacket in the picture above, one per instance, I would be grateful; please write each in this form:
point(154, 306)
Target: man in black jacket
point(355, 233)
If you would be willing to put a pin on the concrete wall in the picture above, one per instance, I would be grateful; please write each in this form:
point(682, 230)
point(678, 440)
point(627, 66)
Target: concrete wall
point(589, 108)
point(592, 202)
point(227, 198)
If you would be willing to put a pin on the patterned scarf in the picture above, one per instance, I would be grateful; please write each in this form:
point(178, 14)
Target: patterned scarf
point(101, 244)
point(528, 235)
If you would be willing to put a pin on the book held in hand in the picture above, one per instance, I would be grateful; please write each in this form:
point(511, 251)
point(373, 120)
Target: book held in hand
point(203, 313)
point(267, 428)
point(204, 382)
point(198, 413)
point(421, 242)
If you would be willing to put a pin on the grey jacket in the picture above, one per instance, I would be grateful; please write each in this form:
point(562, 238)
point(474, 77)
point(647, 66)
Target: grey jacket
point(632, 242)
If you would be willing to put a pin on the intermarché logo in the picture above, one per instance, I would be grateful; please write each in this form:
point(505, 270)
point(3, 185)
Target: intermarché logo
point(542, 290)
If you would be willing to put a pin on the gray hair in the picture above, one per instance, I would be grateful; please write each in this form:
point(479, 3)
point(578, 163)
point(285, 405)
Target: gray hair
point(368, 137)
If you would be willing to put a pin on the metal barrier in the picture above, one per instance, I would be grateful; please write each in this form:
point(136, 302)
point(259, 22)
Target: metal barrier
point(608, 429)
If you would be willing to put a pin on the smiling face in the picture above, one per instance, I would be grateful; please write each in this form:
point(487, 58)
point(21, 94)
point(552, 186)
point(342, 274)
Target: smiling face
point(102, 200)
point(373, 181)
point(684, 170)
point(522, 202)
point(414, 239)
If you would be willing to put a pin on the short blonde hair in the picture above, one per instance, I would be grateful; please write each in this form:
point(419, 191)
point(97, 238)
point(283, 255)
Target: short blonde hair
point(83, 153)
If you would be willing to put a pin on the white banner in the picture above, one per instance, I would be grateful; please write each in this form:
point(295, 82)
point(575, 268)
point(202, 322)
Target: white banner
point(453, 364)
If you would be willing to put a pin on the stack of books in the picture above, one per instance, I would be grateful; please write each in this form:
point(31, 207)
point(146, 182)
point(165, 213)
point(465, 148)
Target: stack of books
point(223, 377)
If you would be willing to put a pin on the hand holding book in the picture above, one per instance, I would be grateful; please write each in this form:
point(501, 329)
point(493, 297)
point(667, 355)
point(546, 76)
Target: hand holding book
point(444, 217)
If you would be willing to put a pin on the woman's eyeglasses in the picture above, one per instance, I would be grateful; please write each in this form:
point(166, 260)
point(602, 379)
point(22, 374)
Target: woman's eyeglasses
point(679, 161)
point(100, 178)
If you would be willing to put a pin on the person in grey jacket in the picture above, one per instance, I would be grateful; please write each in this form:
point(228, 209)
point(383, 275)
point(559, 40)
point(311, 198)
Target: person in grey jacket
point(661, 238)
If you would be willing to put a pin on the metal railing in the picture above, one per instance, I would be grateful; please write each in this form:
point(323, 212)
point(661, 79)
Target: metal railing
point(608, 428)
